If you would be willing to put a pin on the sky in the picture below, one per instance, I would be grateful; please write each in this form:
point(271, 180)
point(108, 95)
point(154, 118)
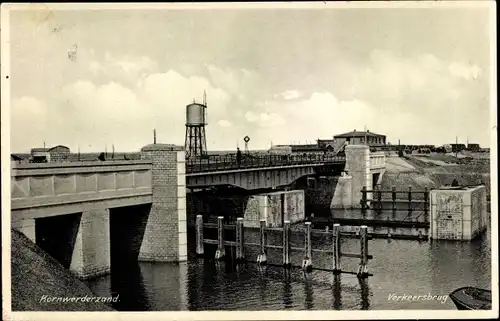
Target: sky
point(90, 79)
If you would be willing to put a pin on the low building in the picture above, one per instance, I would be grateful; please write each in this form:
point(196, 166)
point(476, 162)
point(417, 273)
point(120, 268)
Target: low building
point(55, 154)
point(455, 148)
point(361, 138)
point(39, 155)
point(59, 153)
point(473, 147)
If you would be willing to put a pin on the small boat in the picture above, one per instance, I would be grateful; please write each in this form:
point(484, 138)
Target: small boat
point(471, 298)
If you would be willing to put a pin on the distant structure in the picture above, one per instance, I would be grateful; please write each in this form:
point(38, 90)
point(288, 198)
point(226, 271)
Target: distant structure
point(196, 143)
point(456, 148)
point(55, 154)
point(362, 138)
point(473, 147)
point(336, 144)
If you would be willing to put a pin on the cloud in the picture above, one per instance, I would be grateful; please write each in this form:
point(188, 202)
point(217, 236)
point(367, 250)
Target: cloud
point(91, 116)
point(467, 72)
point(29, 120)
point(123, 67)
point(290, 94)
point(224, 123)
point(265, 119)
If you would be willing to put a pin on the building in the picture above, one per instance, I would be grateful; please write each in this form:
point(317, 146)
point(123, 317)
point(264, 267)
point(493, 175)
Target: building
point(473, 147)
point(455, 148)
point(361, 138)
point(55, 154)
point(59, 153)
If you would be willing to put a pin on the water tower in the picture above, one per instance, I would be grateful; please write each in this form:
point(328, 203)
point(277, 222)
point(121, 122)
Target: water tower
point(196, 143)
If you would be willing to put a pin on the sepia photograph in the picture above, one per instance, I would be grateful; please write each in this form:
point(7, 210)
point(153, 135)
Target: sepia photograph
point(258, 160)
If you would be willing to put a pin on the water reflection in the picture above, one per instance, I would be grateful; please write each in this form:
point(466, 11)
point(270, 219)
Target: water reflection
point(129, 285)
point(337, 297)
point(287, 290)
point(308, 290)
point(398, 267)
point(365, 293)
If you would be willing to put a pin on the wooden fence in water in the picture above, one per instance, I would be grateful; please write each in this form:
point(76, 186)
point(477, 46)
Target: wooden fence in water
point(285, 247)
point(413, 199)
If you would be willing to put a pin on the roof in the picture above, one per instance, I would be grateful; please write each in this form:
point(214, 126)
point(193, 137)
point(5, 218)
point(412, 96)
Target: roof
point(39, 150)
point(358, 134)
point(65, 147)
point(16, 157)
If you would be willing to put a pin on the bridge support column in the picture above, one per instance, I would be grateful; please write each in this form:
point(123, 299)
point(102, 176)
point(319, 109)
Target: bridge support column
point(358, 167)
point(27, 227)
point(342, 197)
point(165, 237)
point(91, 251)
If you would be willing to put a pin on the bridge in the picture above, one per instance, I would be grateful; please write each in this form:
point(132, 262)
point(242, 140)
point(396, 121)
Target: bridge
point(258, 171)
point(83, 212)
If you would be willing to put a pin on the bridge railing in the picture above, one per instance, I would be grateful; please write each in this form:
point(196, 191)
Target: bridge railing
point(230, 161)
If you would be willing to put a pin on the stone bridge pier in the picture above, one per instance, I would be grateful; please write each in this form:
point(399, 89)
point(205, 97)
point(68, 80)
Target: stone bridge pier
point(165, 237)
point(362, 169)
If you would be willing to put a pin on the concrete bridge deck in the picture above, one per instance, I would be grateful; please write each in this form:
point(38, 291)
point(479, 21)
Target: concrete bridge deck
point(48, 189)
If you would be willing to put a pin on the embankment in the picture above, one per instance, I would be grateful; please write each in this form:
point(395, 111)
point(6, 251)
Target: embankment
point(419, 173)
point(36, 275)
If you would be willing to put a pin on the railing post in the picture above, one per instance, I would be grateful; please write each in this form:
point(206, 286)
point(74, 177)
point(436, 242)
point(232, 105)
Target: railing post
point(199, 235)
point(221, 251)
point(307, 262)
point(393, 198)
point(262, 257)
point(286, 244)
point(240, 257)
point(336, 248)
point(426, 199)
point(379, 198)
point(363, 198)
point(409, 199)
point(363, 268)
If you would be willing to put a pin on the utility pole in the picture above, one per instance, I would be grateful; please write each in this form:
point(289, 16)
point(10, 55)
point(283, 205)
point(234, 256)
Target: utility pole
point(113, 154)
point(154, 136)
point(456, 146)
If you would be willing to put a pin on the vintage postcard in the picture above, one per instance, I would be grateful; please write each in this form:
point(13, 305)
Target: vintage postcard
point(299, 160)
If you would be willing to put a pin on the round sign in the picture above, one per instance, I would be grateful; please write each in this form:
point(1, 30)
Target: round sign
point(246, 139)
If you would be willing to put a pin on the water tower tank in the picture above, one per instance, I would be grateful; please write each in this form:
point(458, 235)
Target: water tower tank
point(195, 114)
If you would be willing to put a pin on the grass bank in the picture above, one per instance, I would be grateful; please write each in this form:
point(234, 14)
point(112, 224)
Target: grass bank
point(35, 274)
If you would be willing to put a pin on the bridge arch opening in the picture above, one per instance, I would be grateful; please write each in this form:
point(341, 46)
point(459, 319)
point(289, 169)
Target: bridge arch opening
point(57, 236)
point(127, 226)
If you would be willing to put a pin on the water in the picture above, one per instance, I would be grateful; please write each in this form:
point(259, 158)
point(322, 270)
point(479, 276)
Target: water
point(399, 267)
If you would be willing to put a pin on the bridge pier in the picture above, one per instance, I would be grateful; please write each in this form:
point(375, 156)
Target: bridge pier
point(91, 252)
point(358, 168)
point(165, 236)
point(27, 227)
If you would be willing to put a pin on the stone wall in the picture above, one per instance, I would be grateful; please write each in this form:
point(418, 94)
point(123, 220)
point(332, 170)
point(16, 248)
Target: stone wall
point(165, 237)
